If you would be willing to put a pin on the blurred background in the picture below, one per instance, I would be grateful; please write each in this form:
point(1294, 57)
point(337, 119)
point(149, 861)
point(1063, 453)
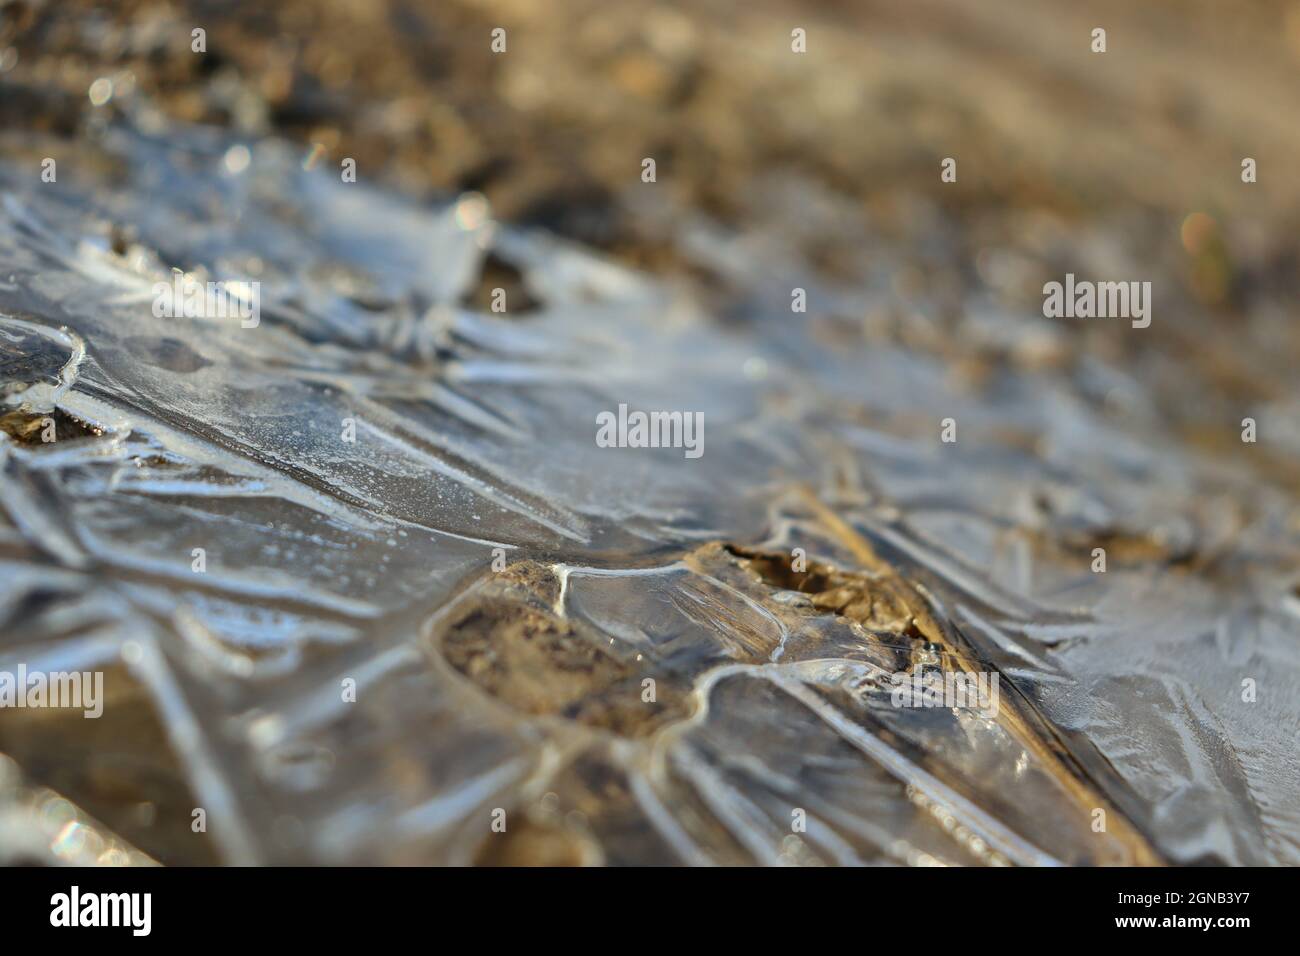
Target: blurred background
point(1128, 161)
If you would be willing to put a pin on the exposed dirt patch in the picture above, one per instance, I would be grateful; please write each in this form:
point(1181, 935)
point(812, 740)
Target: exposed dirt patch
point(45, 428)
point(879, 602)
point(519, 652)
point(120, 768)
point(514, 298)
point(528, 843)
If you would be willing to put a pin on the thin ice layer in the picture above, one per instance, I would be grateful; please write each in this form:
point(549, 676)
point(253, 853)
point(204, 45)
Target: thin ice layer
point(328, 560)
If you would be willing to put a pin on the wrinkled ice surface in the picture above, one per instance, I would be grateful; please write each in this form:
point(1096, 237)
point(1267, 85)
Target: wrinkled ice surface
point(370, 561)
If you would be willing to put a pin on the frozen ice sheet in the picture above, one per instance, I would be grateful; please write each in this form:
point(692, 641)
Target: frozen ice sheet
point(371, 561)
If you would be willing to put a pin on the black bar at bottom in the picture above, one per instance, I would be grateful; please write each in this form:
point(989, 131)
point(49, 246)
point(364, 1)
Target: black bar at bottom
point(445, 907)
